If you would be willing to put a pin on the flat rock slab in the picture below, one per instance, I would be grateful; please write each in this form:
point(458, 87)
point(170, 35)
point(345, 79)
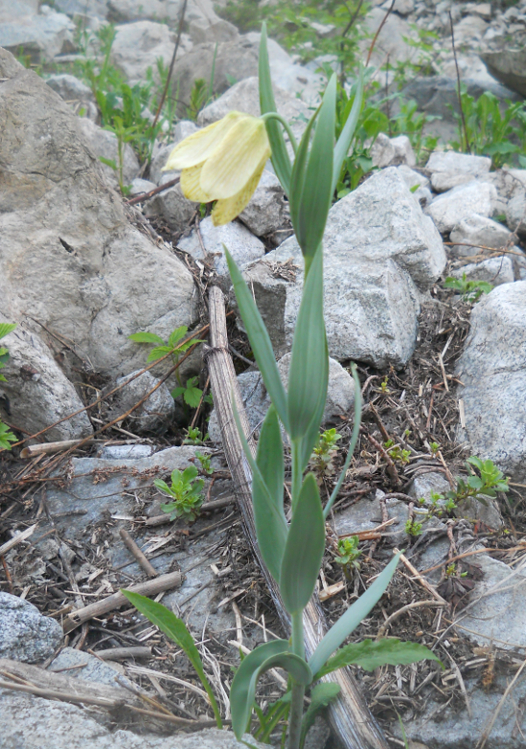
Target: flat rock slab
point(451, 207)
point(25, 634)
point(493, 370)
point(380, 251)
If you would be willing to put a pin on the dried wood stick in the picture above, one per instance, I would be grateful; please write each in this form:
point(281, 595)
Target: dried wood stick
point(17, 539)
point(119, 654)
point(137, 553)
point(47, 448)
point(115, 601)
point(349, 715)
point(413, 570)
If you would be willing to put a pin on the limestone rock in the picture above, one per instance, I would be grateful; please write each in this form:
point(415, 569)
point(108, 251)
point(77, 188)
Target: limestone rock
point(26, 635)
point(242, 245)
point(392, 151)
point(495, 270)
point(493, 370)
point(268, 209)
point(477, 230)
point(452, 207)
point(37, 393)
point(139, 45)
point(155, 414)
point(42, 37)
point(68, 253)
point(507, 65)
point(380, 250)
point(516, 214)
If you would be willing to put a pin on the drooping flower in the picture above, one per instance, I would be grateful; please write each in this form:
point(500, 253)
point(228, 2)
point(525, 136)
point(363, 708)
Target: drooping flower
point(223, 162)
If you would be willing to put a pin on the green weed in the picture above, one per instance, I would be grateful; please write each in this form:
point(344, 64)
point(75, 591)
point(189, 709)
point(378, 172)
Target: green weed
point(471, 291)
point(187, 493)
point(6, 435)
point(348, 555)
point(323, 454)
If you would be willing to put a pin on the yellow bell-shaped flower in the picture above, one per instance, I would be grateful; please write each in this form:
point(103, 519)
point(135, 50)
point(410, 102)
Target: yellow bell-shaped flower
point(223, 162)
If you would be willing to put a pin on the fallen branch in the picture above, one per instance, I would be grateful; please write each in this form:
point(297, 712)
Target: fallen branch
point(349, 715)
point(115, 601)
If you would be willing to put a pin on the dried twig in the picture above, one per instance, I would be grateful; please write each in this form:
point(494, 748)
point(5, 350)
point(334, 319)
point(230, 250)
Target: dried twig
point(137, 553)
point(147, 195)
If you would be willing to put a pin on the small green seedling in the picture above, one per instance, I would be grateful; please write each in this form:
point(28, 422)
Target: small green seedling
point(434, 447)
point(396, 452)
point(321, 461)
point(413, 528)
point(6, 435)
point(471, 291)
point(348, 555)
point(383, 386)
point(206, 466)
point(189, 391)
point(195, 437)
point(187, 493)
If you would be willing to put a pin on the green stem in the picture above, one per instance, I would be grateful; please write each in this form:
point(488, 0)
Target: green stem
point(286, 126)
point(298, 690)
point(296, 472)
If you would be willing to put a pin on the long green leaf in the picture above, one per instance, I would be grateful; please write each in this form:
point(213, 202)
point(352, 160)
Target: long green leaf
point(271, 525)
point(259, 340)
point(309, 365)
point(304, 548)
point(344, 141)
point(241, 696)
point(352, 617)
point(297, 181)
point(370, 654)
point(146, 337)
point(317, 191)
point(280, 157)
point(176, 630)
point(320, 697)
point(6, 327)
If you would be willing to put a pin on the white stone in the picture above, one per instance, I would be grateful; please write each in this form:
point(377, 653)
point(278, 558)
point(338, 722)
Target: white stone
point(268, 209)
point(379, 250)
point(493, 370)
point(157, 411)
point(452, 207)
point(402, 7)
point(25, 634)
point(479, 231)
point(242, 245)
point(516, 213)
point(494, 270)
point(451, 161)
point(40, 36)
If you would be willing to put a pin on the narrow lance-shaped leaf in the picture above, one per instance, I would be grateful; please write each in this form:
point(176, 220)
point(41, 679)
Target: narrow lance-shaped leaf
point(352, 617)
point(370, 654)
point(297, 180)
point(259, 340)
point(304, 548)
point(176, 630)
point(271, 525)
point(309, 365)
point(6, 327)
point(280, 157)
point(271, 530)
point(344, 141)
point(241, 698)
point(317, 191)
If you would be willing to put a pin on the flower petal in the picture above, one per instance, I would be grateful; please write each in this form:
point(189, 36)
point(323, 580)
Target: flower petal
point(226, 210)
point(240, 154)
point(199, 146)
point(190, 184)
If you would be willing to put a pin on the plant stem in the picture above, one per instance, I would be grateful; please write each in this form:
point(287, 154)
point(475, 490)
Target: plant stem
point(296, 472)
point(298, 690)
point(286, 126)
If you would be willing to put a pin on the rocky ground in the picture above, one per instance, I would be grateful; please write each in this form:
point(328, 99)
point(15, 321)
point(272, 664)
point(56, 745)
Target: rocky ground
point(442, 371)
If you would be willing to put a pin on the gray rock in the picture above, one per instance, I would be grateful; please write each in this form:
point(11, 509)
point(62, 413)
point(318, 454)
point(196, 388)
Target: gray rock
point(507, 64)
point(242, 245)
point(268, 209)
point(10, 11)
point(67, 250)
point(70, 88)
point(366, 515)
point(139, 186)
point(508, 183)
point(340, 396)
point(452, 162)
point(452, 207)
point(493, 370)
point(105, 143)
point(402, 7)
point(452, 726)
point(478, 230)
point(516, 214)
point(425, 484)
point(379, 250)
point(26, 635)
point(91, 14)
point(219, 31)
point(125, 452)
point(162, 10)
point(155, 414)
point(172, 205)
point(495, 613)
point(139, 45)
point(411, 177)
point(495, 270)
point(387, 151)
point(42, 37)
point(38, 392)
point(93, 669)
point(393, 39)
point(444, 181)
point(34, 723)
